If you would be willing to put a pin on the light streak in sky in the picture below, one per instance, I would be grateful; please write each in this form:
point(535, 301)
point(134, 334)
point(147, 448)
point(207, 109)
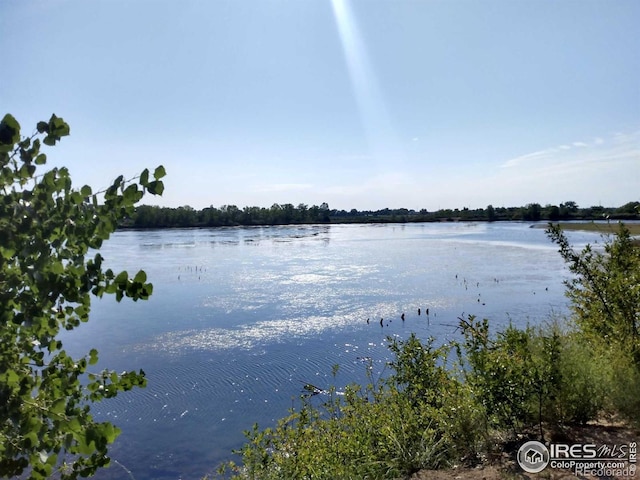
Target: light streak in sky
point(381, 138)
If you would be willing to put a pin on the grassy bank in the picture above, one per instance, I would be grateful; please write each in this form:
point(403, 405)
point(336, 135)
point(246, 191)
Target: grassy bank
point(604, 228)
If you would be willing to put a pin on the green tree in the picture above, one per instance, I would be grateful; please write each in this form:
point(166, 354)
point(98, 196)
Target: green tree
point(324, 212)
point(532, 212)
point(491, 213)
point(605, 291)
point(568, 210)
point(302, 210)
point(47, 228)
point(630, 207)
point(553, 213)
point(287, 213)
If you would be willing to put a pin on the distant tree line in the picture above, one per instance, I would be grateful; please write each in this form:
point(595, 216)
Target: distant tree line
point(228, 215)
point(284, 214)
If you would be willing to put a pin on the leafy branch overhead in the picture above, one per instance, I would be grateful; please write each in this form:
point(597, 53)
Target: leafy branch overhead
point(47, 281)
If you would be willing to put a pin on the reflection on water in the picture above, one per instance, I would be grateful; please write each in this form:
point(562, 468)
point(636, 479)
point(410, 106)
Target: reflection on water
point(241, 319)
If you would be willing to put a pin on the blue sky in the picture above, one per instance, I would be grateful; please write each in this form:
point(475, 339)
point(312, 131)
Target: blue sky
point(360, 104)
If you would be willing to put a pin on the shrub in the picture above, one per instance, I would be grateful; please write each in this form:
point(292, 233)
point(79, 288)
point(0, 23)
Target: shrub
point(501, 373)
point(583, 382)
point(531, 376)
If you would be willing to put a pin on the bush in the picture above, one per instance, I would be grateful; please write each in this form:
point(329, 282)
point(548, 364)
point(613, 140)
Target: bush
point(533, 376)
point(500, 373)
point(583, 382)
point(623, 387)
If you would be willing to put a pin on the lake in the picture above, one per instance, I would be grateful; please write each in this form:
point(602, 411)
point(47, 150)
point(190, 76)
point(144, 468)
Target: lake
point(241, 318)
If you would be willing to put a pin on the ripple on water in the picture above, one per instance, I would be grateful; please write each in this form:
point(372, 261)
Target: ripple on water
point(245, 337)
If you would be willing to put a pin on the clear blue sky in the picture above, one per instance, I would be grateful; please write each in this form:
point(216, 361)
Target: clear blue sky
point(360, 104)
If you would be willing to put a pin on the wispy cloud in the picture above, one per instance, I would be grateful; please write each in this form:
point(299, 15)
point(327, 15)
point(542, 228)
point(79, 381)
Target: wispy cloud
point(604, 169)
point(621, 145)
point(516, 162)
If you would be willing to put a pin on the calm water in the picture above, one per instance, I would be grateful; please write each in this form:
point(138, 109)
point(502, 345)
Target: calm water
point(241, 318)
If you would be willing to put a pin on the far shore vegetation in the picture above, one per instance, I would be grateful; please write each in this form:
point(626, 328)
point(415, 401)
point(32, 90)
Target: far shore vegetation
point(286, 214)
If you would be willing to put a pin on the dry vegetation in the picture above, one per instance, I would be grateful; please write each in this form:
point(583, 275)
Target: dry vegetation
point(604, 228)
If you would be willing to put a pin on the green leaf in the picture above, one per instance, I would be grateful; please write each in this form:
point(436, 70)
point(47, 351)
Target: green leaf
point(82, 311)
point(86, 191)
point(9, 133)
point(57, 268)
point(26, 171)
point(85, 446)
point(50, 140)
point(76, 198)
point(146, 291)
point(156, 187)
point(93, 356)
point(58, 406)
point(7, 252)
point(110, 432)
point(132, 194)
point(140, 277)
point(144, 177)
point(11, 378)
point(58, 127)
point(42, 127)
point(41, 159)
point(122, 278)
point(31, 439)
point(159, 173)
